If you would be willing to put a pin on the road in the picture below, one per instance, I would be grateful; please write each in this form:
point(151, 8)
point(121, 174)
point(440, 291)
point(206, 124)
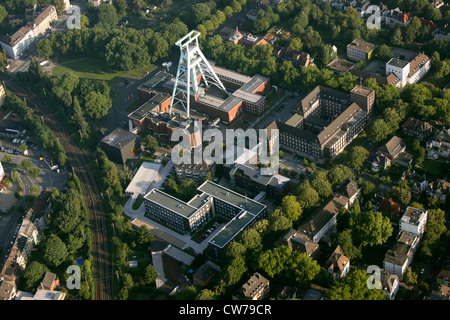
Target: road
point(78, 161)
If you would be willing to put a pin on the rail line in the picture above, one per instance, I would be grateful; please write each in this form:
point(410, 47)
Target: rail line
point(78, 160)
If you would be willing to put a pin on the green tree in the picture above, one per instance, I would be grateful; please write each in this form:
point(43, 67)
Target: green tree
point(320, 183)
point(34, 273)
point(357, 157)
point(150, 275)
point(206, 294)
point(371, 228)
point(107, 15)
point(26, 164)
point(35, 171)
point(3, 13)
point(7, 158)
point(410, 277)
point(97, 105)
point(345, 241)
point(354, 287)
point(401, 192)
point(338, 174)
point(278, 221)
point(144, 236)
point(151, 144)
point(291, 207)
point(55, 251)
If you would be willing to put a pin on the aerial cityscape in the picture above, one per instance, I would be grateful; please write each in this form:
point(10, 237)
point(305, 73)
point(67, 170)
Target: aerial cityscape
point(225, 150)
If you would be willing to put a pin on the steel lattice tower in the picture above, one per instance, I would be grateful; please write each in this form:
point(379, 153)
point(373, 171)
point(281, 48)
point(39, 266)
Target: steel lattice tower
point(192, 64)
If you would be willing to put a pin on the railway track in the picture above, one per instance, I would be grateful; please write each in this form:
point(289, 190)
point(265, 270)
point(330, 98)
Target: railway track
point(78, 160)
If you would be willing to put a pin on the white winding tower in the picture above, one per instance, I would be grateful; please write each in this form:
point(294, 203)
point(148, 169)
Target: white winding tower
point(192, 64)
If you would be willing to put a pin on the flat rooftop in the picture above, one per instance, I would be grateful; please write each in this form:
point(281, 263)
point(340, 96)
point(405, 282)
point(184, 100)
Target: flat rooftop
point(231, 229)
point(341, 65)
point(173, 204)
point(398, 63)
point(144, 178)
point(232, 197)
point(158, 78)
point(361, 45)
point(362, 90)
point(231, 75)
point(118, 138)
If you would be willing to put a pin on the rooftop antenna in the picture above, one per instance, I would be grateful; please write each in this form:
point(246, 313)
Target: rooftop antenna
point(192, 64)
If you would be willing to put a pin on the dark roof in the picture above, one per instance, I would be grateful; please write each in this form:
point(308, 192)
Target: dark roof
point(119, 138)
point(256, 281)
point(204, 272)
point(393, 147)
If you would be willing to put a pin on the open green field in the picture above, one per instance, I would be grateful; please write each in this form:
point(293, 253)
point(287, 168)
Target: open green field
point(96, 69)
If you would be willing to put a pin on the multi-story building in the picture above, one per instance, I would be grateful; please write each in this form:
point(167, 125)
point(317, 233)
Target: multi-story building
point(414, 221)
point(360, 50)
point(256, 288)
point(409, 72)
point(212, 200)
point(325, 122)
point(400, 256)
point(15, 44)
point(395, 17)
point(323, 219)
point(196, 172)
point(247, 179)
point(400, 68)
point(119, 145)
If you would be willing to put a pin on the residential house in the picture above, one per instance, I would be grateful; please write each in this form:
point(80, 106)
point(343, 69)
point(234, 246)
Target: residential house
point(303, 59)
point(204, 275)
point(299, 242)
point(417, 128)
point(239, 37)
point(338, 265)
point(276, 33)
point(256, 288)
point(441, 293)
point(440, 143)
point(438, 188)
point(351, 191)
point(390, 284)
point(395, 17)
point(443, 277)
point(394, 149)
point(8, 288)
point(418, 186)
point(389, 206)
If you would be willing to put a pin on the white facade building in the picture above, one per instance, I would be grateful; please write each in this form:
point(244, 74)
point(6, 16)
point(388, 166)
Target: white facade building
point(400, 68)
point(16, 44)
point(400, 256)
point(414, 221)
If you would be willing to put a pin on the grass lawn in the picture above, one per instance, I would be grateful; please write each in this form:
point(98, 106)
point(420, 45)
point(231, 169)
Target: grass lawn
point(96, 69)
point(434, 167)
point(137, 203)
